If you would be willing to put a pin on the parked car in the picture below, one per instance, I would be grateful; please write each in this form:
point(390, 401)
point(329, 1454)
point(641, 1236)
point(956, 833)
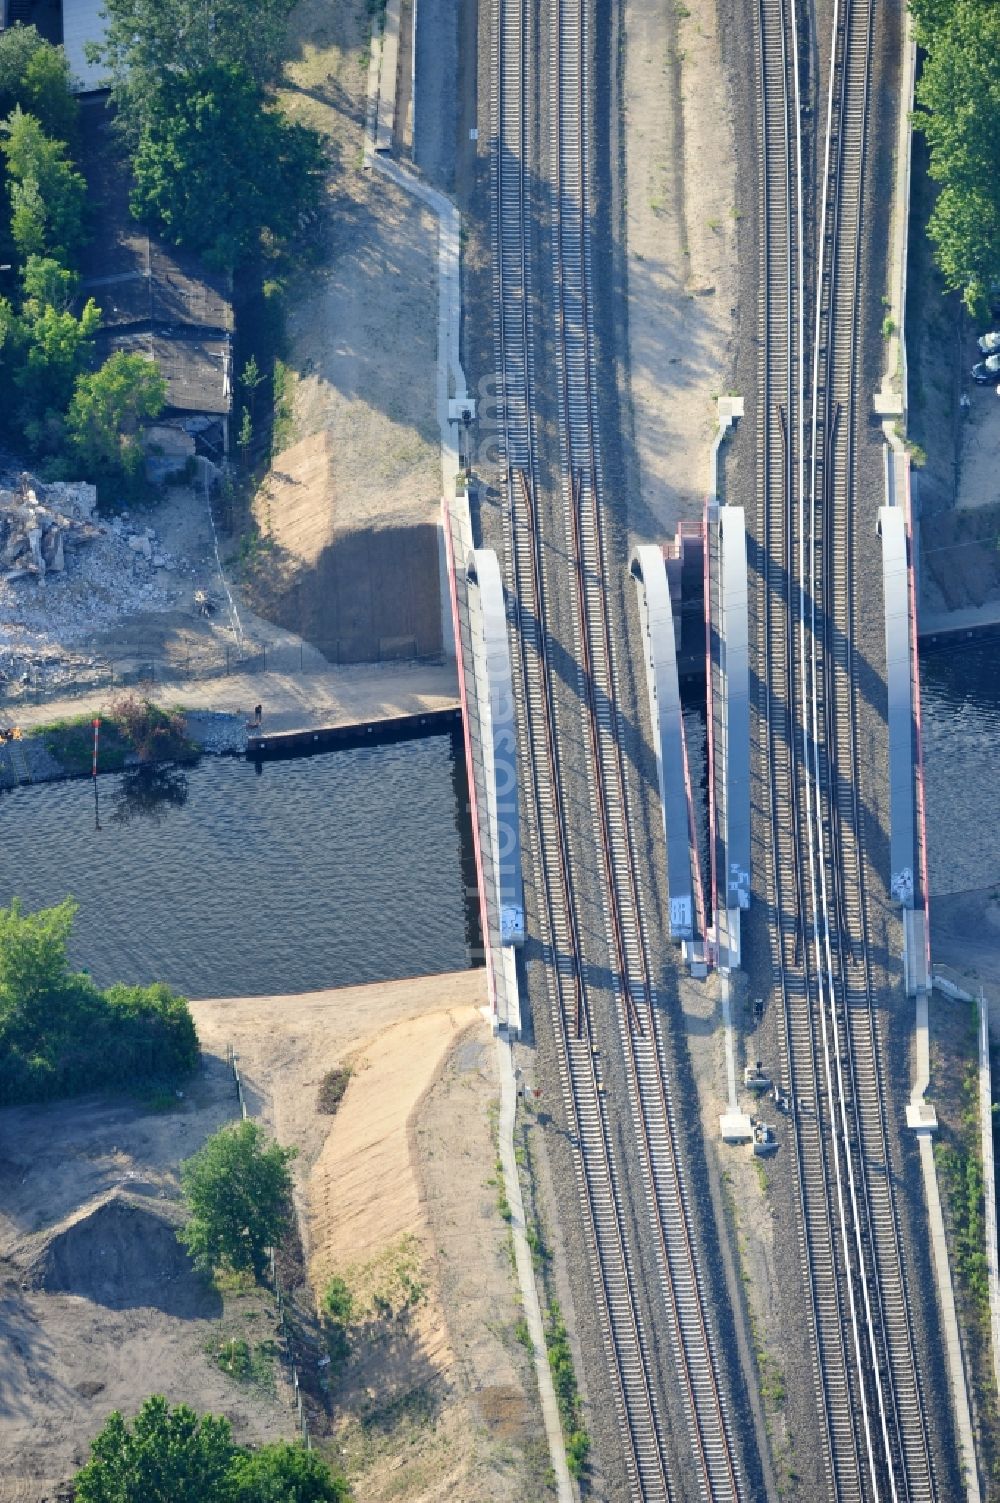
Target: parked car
point(987, 371)
point(990, 343)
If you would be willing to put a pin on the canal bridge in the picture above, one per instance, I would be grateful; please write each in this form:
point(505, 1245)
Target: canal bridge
point(790, 622)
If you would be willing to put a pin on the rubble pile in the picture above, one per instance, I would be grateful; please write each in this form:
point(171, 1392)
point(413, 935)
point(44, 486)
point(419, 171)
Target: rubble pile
point(67, 574)
point(37, 530)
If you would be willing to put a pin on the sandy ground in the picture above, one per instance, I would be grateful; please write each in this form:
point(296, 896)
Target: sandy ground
point(362, 348)
point(99, 1306)
point(681, 230)
point(435, 1397)
point(319, 697)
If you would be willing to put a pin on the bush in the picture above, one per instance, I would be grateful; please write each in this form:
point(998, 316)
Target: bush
point(176, 1456)
point(337, 1310)
point(283, 1473)
point(332, 1088)
point(157, 735)
point(576, 1439)
point(61, 1035)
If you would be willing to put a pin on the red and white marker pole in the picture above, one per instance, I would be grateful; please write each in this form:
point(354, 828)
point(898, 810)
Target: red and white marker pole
point(97, 727)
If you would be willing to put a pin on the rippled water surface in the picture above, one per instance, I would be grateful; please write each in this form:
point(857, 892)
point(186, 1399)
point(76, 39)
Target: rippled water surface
point(325, 871)
point(960, 698)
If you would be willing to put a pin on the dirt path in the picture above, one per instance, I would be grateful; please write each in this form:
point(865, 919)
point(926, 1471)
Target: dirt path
point(681, 230)
point(292, 701)
point(349, 510)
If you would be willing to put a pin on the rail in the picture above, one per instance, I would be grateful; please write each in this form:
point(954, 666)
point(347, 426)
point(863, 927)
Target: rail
point(868, 1383)
point(532, 547)
point(585, 1102)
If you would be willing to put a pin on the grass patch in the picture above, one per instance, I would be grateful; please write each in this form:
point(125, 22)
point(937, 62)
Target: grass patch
point(251, 1365)
point(229, 1281)
point(367, 1296)
point(283, 388)
point(575, 1437)
point(959, 1163)
point(132, 728)
point(523, 1335)
point(157, 1099)
point(332, 1088)
point(503, 1204)
point(772, 1379)
point(416, 1408)
point(71, 742)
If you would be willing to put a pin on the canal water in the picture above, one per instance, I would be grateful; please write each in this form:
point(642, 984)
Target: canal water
point(356, 865)
point(960, 698)
point(331, 870)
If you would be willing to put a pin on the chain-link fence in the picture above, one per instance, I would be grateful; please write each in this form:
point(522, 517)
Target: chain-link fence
point(302, 1418)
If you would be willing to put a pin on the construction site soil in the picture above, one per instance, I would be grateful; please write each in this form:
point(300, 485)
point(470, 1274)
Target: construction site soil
point(347, 514)
point(99, 1304)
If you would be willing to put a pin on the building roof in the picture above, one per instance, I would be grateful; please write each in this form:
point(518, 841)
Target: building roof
point(154, 298)
point(197, 368)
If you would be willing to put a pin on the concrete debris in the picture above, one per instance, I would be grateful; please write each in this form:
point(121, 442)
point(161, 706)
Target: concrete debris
point(38, 524)
point(67, 574)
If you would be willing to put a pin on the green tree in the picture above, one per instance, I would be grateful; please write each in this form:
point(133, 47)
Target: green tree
point(33, 964)
point(959, 98)
point(47, 195)
point(251, 377)
point(245, 436)
point(930, 16)
point(35, 76)
point(215, 167)
point(148, 41)
point(106, 411)
point(56, 348)
point(45, 282)
point(165, 1456)
point(238, 1189)
point(283, 1473)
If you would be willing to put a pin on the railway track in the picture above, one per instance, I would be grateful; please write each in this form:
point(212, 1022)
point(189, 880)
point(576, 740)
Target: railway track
point(783, 339)
point(870, 1399)
point(834, 489)
point(537, 555)
point(869, 1392)
point(585, 1102)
